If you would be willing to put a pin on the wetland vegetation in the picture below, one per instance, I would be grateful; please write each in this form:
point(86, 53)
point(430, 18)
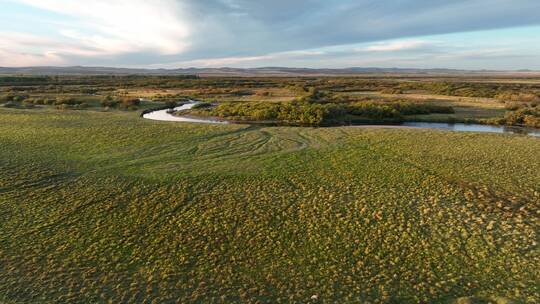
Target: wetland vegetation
point(98, 205)
point(309, 101)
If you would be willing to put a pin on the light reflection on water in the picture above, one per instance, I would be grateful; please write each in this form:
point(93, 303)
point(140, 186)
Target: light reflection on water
point(461, 127)
point(165, 115)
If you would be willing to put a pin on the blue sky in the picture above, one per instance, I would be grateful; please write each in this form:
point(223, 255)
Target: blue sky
point(464, 34)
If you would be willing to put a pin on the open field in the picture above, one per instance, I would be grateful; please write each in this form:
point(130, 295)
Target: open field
point(107, 207)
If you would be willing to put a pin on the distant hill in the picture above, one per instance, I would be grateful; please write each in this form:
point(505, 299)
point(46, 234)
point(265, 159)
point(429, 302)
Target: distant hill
point(265, 71)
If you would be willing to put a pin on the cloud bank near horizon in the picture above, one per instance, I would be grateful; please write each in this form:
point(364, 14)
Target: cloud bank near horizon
point(247, 33)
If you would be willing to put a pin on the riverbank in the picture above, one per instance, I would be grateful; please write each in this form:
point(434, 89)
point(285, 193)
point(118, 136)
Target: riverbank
point(171, 115)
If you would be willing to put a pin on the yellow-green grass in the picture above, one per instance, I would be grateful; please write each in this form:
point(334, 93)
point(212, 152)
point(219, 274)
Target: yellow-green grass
point(466, 108)
point(463, 114)
point(108, 207)
point(255, 94)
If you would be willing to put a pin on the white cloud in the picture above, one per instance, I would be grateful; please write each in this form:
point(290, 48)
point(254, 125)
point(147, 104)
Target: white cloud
point(247, 32)
point(23, 49)
point(122, 26)
point(215, 62)
point(9, 58)
point(394, 46)
point(243, 60)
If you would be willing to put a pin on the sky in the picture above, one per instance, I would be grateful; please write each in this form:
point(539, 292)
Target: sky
point(458, 34)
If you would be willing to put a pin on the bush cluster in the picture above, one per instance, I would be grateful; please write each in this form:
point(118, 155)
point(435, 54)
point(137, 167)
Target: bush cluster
point(518, 97)
point(124, 103)
point(25, 101)
point(519, 115)
point(470, 89)
point(41, 101)
point(302, 112)
point(14, 97)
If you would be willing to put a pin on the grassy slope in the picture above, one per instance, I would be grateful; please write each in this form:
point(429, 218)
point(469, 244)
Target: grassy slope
point(107, 206)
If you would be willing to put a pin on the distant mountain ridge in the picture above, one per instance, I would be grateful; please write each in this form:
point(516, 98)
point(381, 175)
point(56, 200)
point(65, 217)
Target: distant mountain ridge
point(263, 71)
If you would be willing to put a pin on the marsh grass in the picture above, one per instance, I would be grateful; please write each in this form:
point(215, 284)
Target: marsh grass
point(107, 207)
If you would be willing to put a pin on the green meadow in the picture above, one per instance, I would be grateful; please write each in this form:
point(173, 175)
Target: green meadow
point(106, 207)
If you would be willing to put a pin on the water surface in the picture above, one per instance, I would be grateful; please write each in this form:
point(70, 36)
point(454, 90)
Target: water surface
point(461, 127)
point(166, 115)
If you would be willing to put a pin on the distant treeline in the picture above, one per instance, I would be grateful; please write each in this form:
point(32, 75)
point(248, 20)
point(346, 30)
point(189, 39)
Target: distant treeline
point(93, 79)
point(26, 80)
point(470, 89)
point(241, 86)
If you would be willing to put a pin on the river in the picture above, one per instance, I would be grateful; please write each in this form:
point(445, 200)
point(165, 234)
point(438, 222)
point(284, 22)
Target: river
point(166, 115)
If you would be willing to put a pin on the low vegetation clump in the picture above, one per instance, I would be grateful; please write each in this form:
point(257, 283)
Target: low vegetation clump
point(202, 105)
point(399, 108)
point(125, 103)
point(12, 104)
point(41, 101)
point(110, 208)
point(518, 97)
point(392, 91)
point(301, 113)
point(14, 97)
point(109, 102)
point(309, 113)
point(520, 116)
point(64, 103)
point(168, 98)
point(502, 91)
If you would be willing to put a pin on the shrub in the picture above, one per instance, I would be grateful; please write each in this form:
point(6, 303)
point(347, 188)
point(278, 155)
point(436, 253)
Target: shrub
point(202, 105)
point(531, 121)
point(29, 104)
point(316, 96)
point(66, 106)
point(524, 116)
point(130, 103)
point(264, 94)
point(68, 101)
point(519, 97)
point(395, 110)
point(513, 106)
point(392, 91)
point(49, 101)
point(39, 101)
point(374, 110)
point(20, 98)
point(109, 102)
point(15, 97)
point(415, 108)
point(171, 104)
point(10, 104)
point(7, 97)
point(301, 112)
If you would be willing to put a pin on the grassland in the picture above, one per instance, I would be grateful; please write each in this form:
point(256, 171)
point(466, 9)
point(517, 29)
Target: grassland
point(465, 108)
point(305, 101)
point(107, 207)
